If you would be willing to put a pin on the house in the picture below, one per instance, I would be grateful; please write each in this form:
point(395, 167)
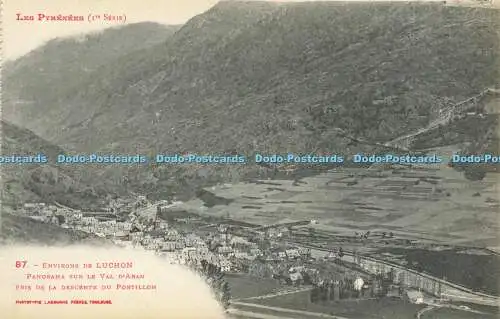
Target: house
point(89, 220)
point(305, 252)
point(194, 241)
point(296, 278)
point(39, 218)
point(34, 206)
point(161, 224)
point(169, 246)
point(241, 255)
point(224, 237)
point(283, 231)
point(272, 233)
point(393, 291)
point(222, 228)
point(173, 257)
point(252, 245)
point(189, 253)
point(237, 241)
point(172, 232)
point(414, 296)
point(225, 265)
point(224, 250)
point(123, 235)
point(296, 269)
point(125, 226)
point(30, 205)
point(180, 244)
point(54, 220)
point(168, 237)
point(292, 253)
point(136, 236)
point(256, 252)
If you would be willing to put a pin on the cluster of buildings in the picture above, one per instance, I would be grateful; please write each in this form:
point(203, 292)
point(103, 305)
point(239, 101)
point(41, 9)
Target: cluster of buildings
point(123, 223)
point(262, 253)
point(231, 252)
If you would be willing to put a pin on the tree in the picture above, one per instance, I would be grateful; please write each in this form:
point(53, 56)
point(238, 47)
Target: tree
point(216, 280)
point(356, 256)
point(340, 254)
point(225, 295)
point(204, 266)
point(314, 295)
point(306, 277)
point(474, 173)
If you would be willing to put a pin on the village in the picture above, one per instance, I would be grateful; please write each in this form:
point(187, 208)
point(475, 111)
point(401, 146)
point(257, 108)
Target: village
point(234, 249)
point(274, 262)
point(181, 240)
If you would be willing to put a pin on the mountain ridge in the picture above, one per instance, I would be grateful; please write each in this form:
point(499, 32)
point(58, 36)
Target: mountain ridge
point(248, 77)
point(43, 182)
point(77, 57)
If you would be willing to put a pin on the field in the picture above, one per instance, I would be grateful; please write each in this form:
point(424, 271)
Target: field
point(377, 71)
point(455, 314)
point(297, 305)
point(244, 286)
point(423, 207)
point(384, 308)
point(430, 204)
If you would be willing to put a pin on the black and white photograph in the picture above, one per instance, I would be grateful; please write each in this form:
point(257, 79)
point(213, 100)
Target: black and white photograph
point(302, 159)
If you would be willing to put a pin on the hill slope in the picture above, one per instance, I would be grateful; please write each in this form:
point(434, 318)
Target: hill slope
point(269, 77)
point(16, 229)
point(43, 75)
point(42, 183)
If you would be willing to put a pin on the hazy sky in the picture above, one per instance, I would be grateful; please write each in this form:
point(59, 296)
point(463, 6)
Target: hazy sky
point(21, 37)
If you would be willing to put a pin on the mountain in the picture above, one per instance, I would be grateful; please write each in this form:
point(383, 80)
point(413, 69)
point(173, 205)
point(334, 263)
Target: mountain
point(471, 135)
point(273, 78)
point(17, 229)
point(43, 182)
point(62, 62)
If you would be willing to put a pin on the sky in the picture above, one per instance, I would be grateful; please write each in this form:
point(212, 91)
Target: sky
point(20, 37)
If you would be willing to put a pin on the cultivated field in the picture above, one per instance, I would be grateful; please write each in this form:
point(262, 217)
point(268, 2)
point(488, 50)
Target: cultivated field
point(245, 286)
point(431, 204)
point(455, 314)
point(373, 308)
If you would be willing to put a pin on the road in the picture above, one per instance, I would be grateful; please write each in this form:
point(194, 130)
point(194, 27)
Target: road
point(257, 313)
point(442, 120)
point(276, 309)
point(422, 311)
point(277, 294)
point(433, 306)
point(235, 313)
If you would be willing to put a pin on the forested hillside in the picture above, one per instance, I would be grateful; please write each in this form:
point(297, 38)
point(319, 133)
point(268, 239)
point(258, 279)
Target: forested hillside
point(247, 77)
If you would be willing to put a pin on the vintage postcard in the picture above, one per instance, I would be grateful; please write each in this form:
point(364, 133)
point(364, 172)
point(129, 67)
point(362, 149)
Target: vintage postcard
point(204, 159)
